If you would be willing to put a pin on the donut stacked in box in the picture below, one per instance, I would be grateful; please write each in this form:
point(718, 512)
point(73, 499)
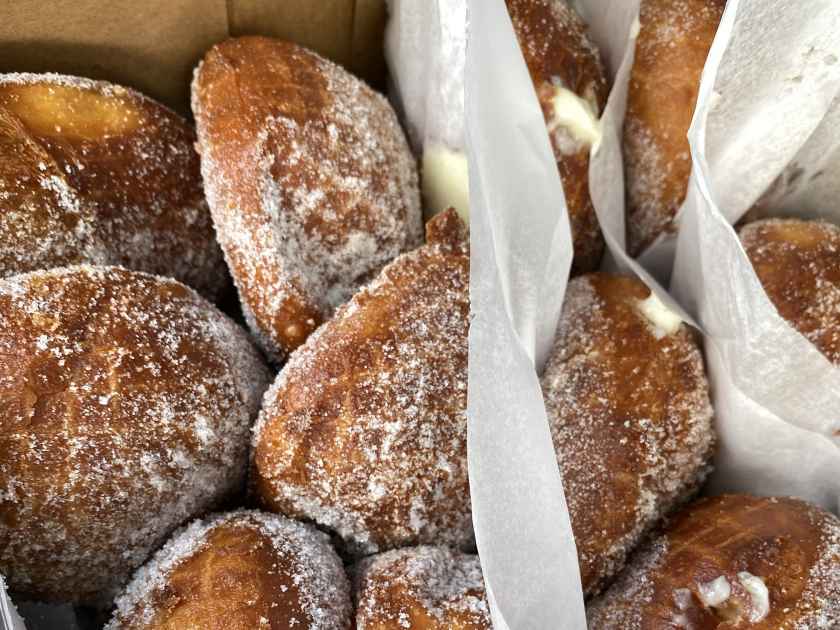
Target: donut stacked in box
point(155, 467)
point(149, 470)
point(136, 438)
point(624, 386)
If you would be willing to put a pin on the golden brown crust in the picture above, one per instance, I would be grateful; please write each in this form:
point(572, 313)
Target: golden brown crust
point(671, 50)
point(364, 431)
point(630, 417)
point(423, 588)
point(239, 571)
point(791, 546)
point(798, 264)
point(91, 172)
point(125, 407)
point(558, 52)
point(309, 178)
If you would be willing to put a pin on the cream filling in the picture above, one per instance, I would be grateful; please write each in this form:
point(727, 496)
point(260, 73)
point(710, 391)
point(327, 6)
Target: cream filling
point(759, 594)
point(577, 116)
point(714, 593)
point(665, 322)
point(446, 181)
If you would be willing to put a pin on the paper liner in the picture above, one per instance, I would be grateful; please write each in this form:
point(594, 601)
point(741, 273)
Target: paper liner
point(154, 46)
point(425, 45)
point(9, 617)
point(764, 132)
point(777, 398)
point(760, 368)
point(521, 252)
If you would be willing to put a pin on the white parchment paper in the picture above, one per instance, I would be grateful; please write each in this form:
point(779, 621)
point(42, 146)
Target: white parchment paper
point(765, 130)
point(521, 253)
point(776, 397)
point(768, 92)
point(425, 44)
point(8, 613)
point(614, 26)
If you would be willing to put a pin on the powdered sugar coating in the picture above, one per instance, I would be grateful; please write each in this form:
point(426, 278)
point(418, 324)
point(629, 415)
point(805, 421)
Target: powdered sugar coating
point(674, 40)
point(92, 172)
point(630, 418)
point(428, 587)
point(560, 54)
point(793, 548)
point(798, 263)
point(126, 403)
point(545, 25)
point(299, 554)
point(364, 431)
point(310, 180)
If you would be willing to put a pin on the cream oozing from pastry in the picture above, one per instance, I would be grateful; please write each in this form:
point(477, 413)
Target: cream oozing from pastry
point(577, 116)
point(759, 594)
point(716, 592)
point(446, 181)
point(665, 321)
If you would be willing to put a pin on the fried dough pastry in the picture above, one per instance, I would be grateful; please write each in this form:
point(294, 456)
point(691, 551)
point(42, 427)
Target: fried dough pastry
point(364, 432)
point(798, 263)
point(732, 562)
point(628, 406)
point(571, 87)
point(126, 402)
point(239, 571)
point(674, 40)
point(92, 172)
point(310, 181)
point(421, 588)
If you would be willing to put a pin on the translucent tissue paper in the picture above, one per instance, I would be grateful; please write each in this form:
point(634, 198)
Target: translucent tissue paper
point(9, 617)
point(425, 45)
point(521, 252)
point(614, 32)
point(764, 132)
point(774, 393)
point(769, 91)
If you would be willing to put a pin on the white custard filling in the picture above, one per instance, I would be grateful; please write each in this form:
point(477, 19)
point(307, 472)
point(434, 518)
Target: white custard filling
point(446, 181)
point(577, 116)
point(759, 594)
point(665, 321)
point(714, 593)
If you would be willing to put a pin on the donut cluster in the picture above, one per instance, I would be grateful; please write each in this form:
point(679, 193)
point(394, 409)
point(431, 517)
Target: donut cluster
point(155, 468)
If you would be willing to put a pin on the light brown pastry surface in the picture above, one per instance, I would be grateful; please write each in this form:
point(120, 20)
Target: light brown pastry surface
point(242, 570)
point(125, 407)
point(798, 263)
point(630, 418)
point(421, 588)
point(364, 430)
point(92, 172)
point(558, 52)
point(310, 181)
point(671, 50)
point(792, 547)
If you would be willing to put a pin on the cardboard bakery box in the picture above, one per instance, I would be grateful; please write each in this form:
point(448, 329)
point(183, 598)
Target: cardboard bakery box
point(154, 46)
point(531, 571)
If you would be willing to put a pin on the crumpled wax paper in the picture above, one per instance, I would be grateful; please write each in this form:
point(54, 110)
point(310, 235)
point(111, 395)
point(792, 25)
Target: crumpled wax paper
point(521, 252)
point(425, 45)
point(764, 133)
point(761, 370)
point(767, 103)
point(9, 617)
point(614, 32)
